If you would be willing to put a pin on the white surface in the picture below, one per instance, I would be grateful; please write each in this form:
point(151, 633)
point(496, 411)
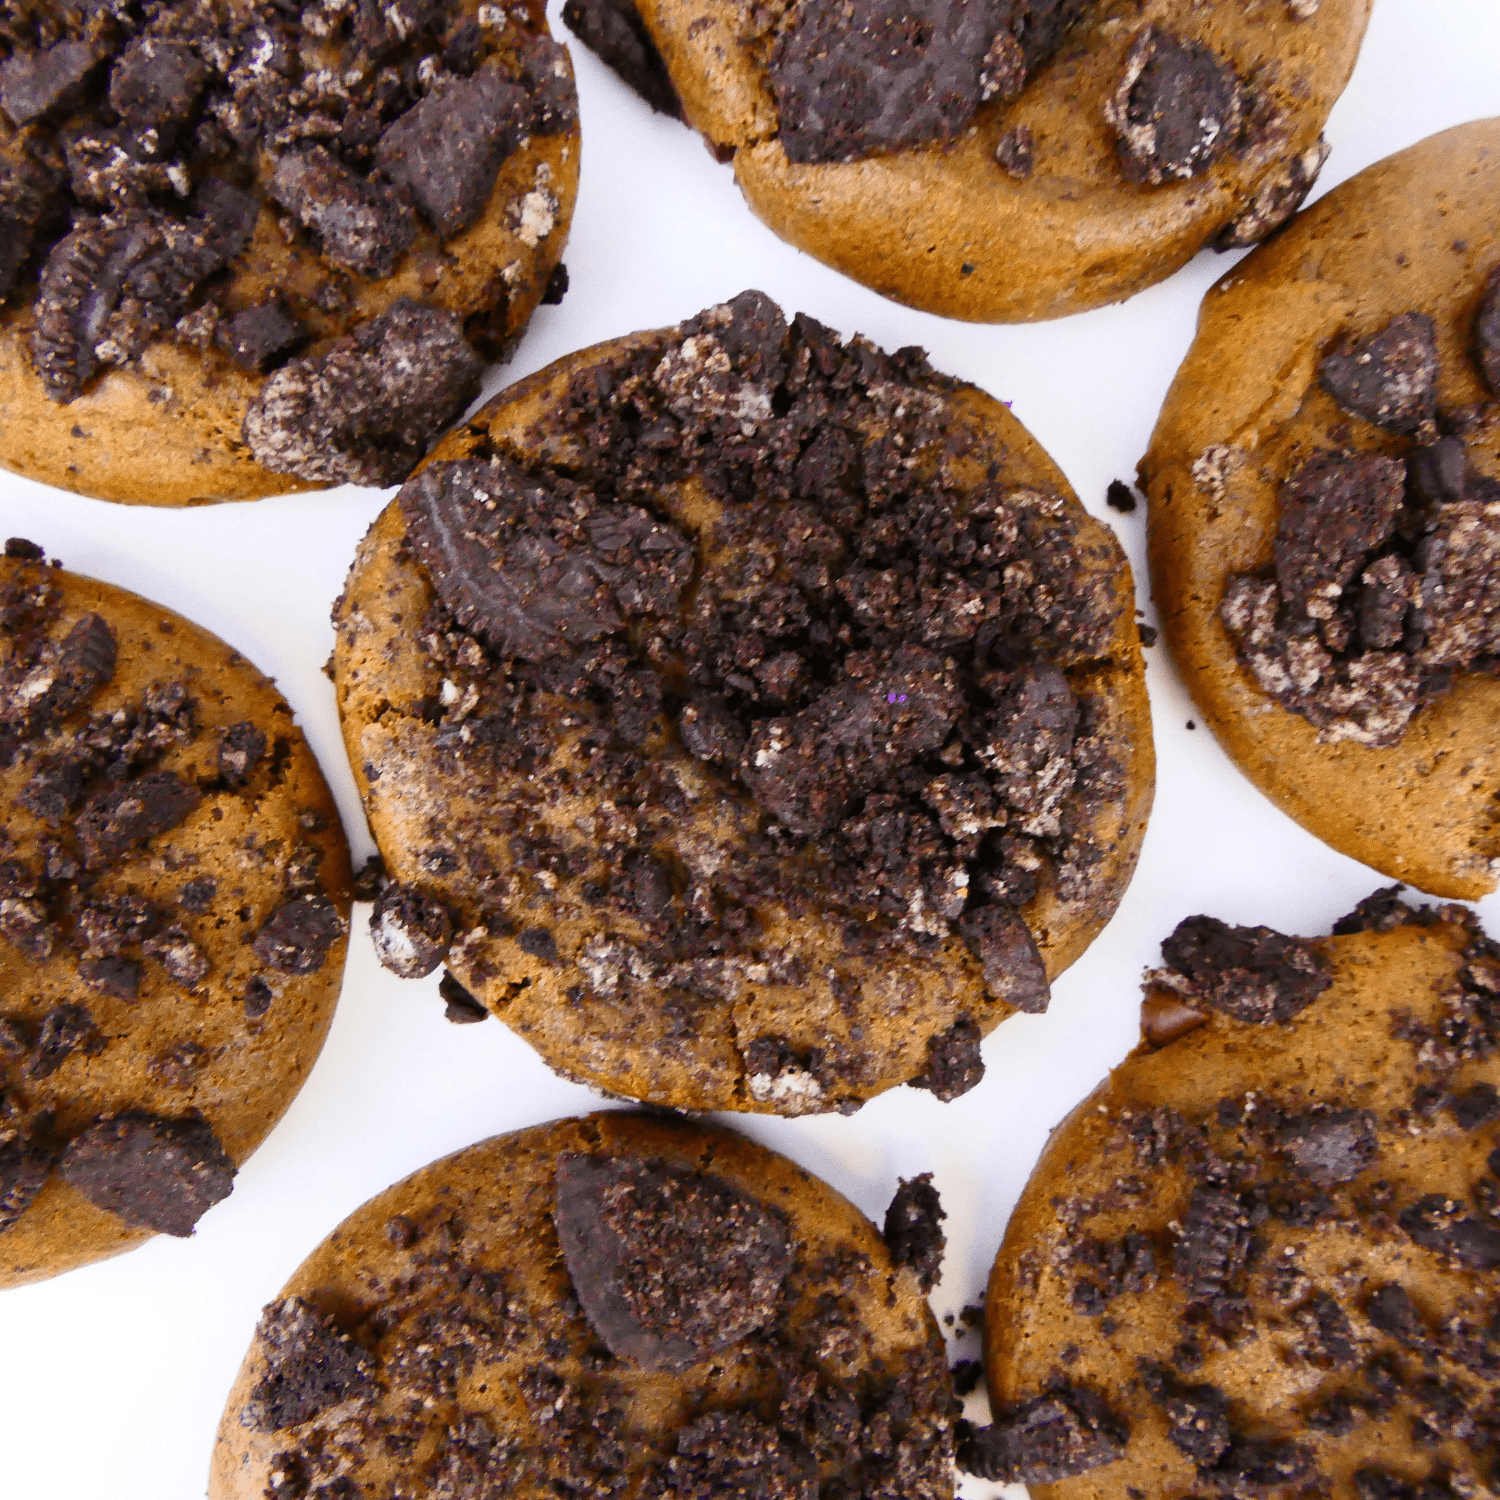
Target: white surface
point(112, 1378)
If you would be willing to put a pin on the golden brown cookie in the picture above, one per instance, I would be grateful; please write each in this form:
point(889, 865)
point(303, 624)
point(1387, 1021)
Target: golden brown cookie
point(999, 160)
point(174, 894)
point(1263, 1257)
point(752, 719)
point(247, 246)
point(622, 1303)
point(1325, 514)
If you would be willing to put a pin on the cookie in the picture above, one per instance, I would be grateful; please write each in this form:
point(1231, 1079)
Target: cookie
point(622, 1303)
point(174, 895)
point(1000, 160)
point(249, 246)
point(749, 718)
point(1262, 1258)
point(1325, 515)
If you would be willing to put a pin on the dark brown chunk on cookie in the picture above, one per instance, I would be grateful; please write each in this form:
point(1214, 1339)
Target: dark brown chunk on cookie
point(1389, 378)
point(119, 819)
point(257, 335)
point(155, 1174)
point(1250, 973)
point(1486, 331)
point(913, 1231)
point(310, 1366)
point(954, 1063)
point(1013, 968)
point(614, 32)
point(1332, 1147)
point(359, 224)
point(670, 1265)
point(1067, 1431)
point(297, 935)
point(32, 83)
point(24, 1166)
point(410, 931)
point(1176, 110)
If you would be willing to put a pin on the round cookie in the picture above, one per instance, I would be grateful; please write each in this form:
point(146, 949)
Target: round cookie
point(248, 247)
point(622, 1303)
point(999, 160)
point(753, 720)
point(1324, 526)
point(1263, 1257)
point(174, 894)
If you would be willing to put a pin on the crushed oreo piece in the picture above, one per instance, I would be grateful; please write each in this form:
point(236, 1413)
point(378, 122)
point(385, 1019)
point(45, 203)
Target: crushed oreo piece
point(1015, 152)
point(1250, 973)
point(1389, 378)
point(37, 82)
point(459, 1006)
point(310, 1366)
point(736, 1454)
point(1258, 1467)
point(1197, 1415)
point(296, 936)
point(670, 1265)
point(1176, 110)
point(1391, 1310)
point(120, 977)
point(65, 678)
point(954, 1064)
point(1330, 1147)
point(369, 879)
point(359, 224)
point(1277, 198)
point(25, 551)
point(614, 32)
point(64, 1030)
point(1476, 1106)
point(1487, 332)
point(364, 411)
point(257, 998)
point(1213, 1244)
point(240, 749)
point(155, 83)
point(557, 286)
point(256, 337)
point(121, 818)
point(25, 1164)
point(1013, 968)
point(912, 1231)
point(1065, 1432)
point(411, 931)
point(156, 1174)
point(1438, 1223)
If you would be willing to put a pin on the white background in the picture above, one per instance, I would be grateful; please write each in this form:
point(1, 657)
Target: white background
point(112, 1378)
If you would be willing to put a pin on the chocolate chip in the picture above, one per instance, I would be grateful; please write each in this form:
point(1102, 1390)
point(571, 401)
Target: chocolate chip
point(1166, 1016)
point(1008, 955)
point(310, 1365)
point(1250, 973)
point(121, 818)
point(32, 83)
point(1487, 331)
point(534, 566)
point(1176, 109)
point(120, 977)
point(1015, 152)
point(1065, 1432)
point(912, 1232)
point(153, 1173)
point(460, 1007)
point(448, 149)
point(359, 224)
point(365, 410)
point(671, 1265)
point(255, 337)
point(25, 1164)
point(614, 32)
point(1332, 1147)
point(296, 936)
point(1120, 496)
point(411, 931)
point(954, 1063)
point(1389, 378)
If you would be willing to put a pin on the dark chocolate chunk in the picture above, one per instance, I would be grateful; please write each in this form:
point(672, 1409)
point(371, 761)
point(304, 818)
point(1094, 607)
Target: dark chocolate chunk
point(32, 83)
point(1176, 110)
point(120, 818)
point(64, 1029)
point(411, 931)
point(614, 32)
point(534, 566)
point(1476, 1106)
point(120, 977)
point(310, 1365)
point(1015, 152)
point(913, 1233)
point(459, 1006)
point(24, 1166)
point(255, 337)
point(954, 1064)
point(1389, 378)
point(1251, 973)
point(156, 1174)
point(1332, 1147)
point(557, 286)
point(1258, 1467)
point(1120, 496)
point(365, 410)
point(1067, 1431)
point(1438, 1223)
point(447, 150)
point(670, 1265)
point(1335, 509)
point(1213, 1245)
point(360, 225)
point(296, 936)
point(239, 750)
point(1487, 332)
point(1007, 952)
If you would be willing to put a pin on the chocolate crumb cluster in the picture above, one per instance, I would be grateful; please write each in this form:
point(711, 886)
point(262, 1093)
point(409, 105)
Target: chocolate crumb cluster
point(154, 152)
point(1385, 584)
point(87, 791)
point(667, 1270)
point(805, 684)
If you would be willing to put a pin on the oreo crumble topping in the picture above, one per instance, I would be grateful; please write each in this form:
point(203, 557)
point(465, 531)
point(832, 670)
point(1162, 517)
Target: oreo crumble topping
point(891, 675)
point(1385, 585)
point(142, 142)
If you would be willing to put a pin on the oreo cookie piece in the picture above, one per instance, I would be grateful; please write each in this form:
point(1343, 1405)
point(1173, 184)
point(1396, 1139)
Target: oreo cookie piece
point(489, 1324)
point(998, 160)
point(171, 853)
point(1173, 1305)
point(833, 630)
point(1332, 593)
point(192, 194)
